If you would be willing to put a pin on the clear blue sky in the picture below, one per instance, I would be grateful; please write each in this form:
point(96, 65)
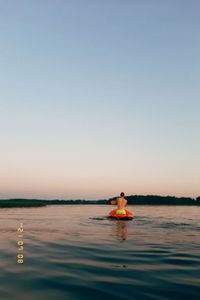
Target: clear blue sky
point(99, 97)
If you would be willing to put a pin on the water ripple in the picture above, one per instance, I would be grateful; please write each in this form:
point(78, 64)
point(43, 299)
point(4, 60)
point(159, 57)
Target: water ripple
point(80, 257)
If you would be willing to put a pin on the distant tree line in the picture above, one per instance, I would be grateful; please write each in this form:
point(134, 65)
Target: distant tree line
point(21, 203)
point(132, 200)
point(160, 200)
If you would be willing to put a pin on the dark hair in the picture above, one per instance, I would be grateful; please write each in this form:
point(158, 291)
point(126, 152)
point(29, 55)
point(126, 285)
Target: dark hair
point(122, 194)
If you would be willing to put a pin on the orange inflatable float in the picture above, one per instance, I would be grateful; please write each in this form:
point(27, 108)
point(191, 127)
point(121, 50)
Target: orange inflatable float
point(121, 214)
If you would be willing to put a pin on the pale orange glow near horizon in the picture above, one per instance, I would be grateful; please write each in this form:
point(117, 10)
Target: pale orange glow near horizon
point(52, 180)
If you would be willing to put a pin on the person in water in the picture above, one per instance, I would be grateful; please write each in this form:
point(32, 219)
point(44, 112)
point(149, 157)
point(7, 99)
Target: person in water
point(121, 203)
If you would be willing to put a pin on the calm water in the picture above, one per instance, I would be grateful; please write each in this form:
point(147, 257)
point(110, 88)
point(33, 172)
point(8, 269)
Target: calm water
point(74, 252)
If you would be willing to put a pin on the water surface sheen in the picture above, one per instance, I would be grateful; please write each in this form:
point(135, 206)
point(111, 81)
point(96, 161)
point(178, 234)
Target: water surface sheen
point(75, 252)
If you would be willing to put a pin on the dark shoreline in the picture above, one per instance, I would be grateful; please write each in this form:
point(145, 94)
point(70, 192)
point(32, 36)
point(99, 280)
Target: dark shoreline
point(132, 200)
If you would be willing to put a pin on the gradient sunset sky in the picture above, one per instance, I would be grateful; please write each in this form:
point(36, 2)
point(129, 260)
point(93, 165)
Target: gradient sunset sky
point(99, 97)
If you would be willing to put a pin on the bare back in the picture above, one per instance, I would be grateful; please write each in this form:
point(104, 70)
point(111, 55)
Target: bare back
point(121, 202)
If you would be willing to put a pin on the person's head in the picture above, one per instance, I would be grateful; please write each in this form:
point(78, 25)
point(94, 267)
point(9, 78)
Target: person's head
point(122, 194)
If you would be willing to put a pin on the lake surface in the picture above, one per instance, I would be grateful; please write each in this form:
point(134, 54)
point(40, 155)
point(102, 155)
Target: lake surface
point(75, 252)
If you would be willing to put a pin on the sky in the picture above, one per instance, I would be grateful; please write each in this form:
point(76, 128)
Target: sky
point(99, 97)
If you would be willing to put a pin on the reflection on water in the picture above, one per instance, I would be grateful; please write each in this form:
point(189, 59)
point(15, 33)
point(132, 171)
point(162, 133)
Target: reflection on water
point(120, 229)
point(76, 252)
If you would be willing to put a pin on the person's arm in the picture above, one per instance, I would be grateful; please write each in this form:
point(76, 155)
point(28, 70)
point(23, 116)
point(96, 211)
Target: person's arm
point(114, 201)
